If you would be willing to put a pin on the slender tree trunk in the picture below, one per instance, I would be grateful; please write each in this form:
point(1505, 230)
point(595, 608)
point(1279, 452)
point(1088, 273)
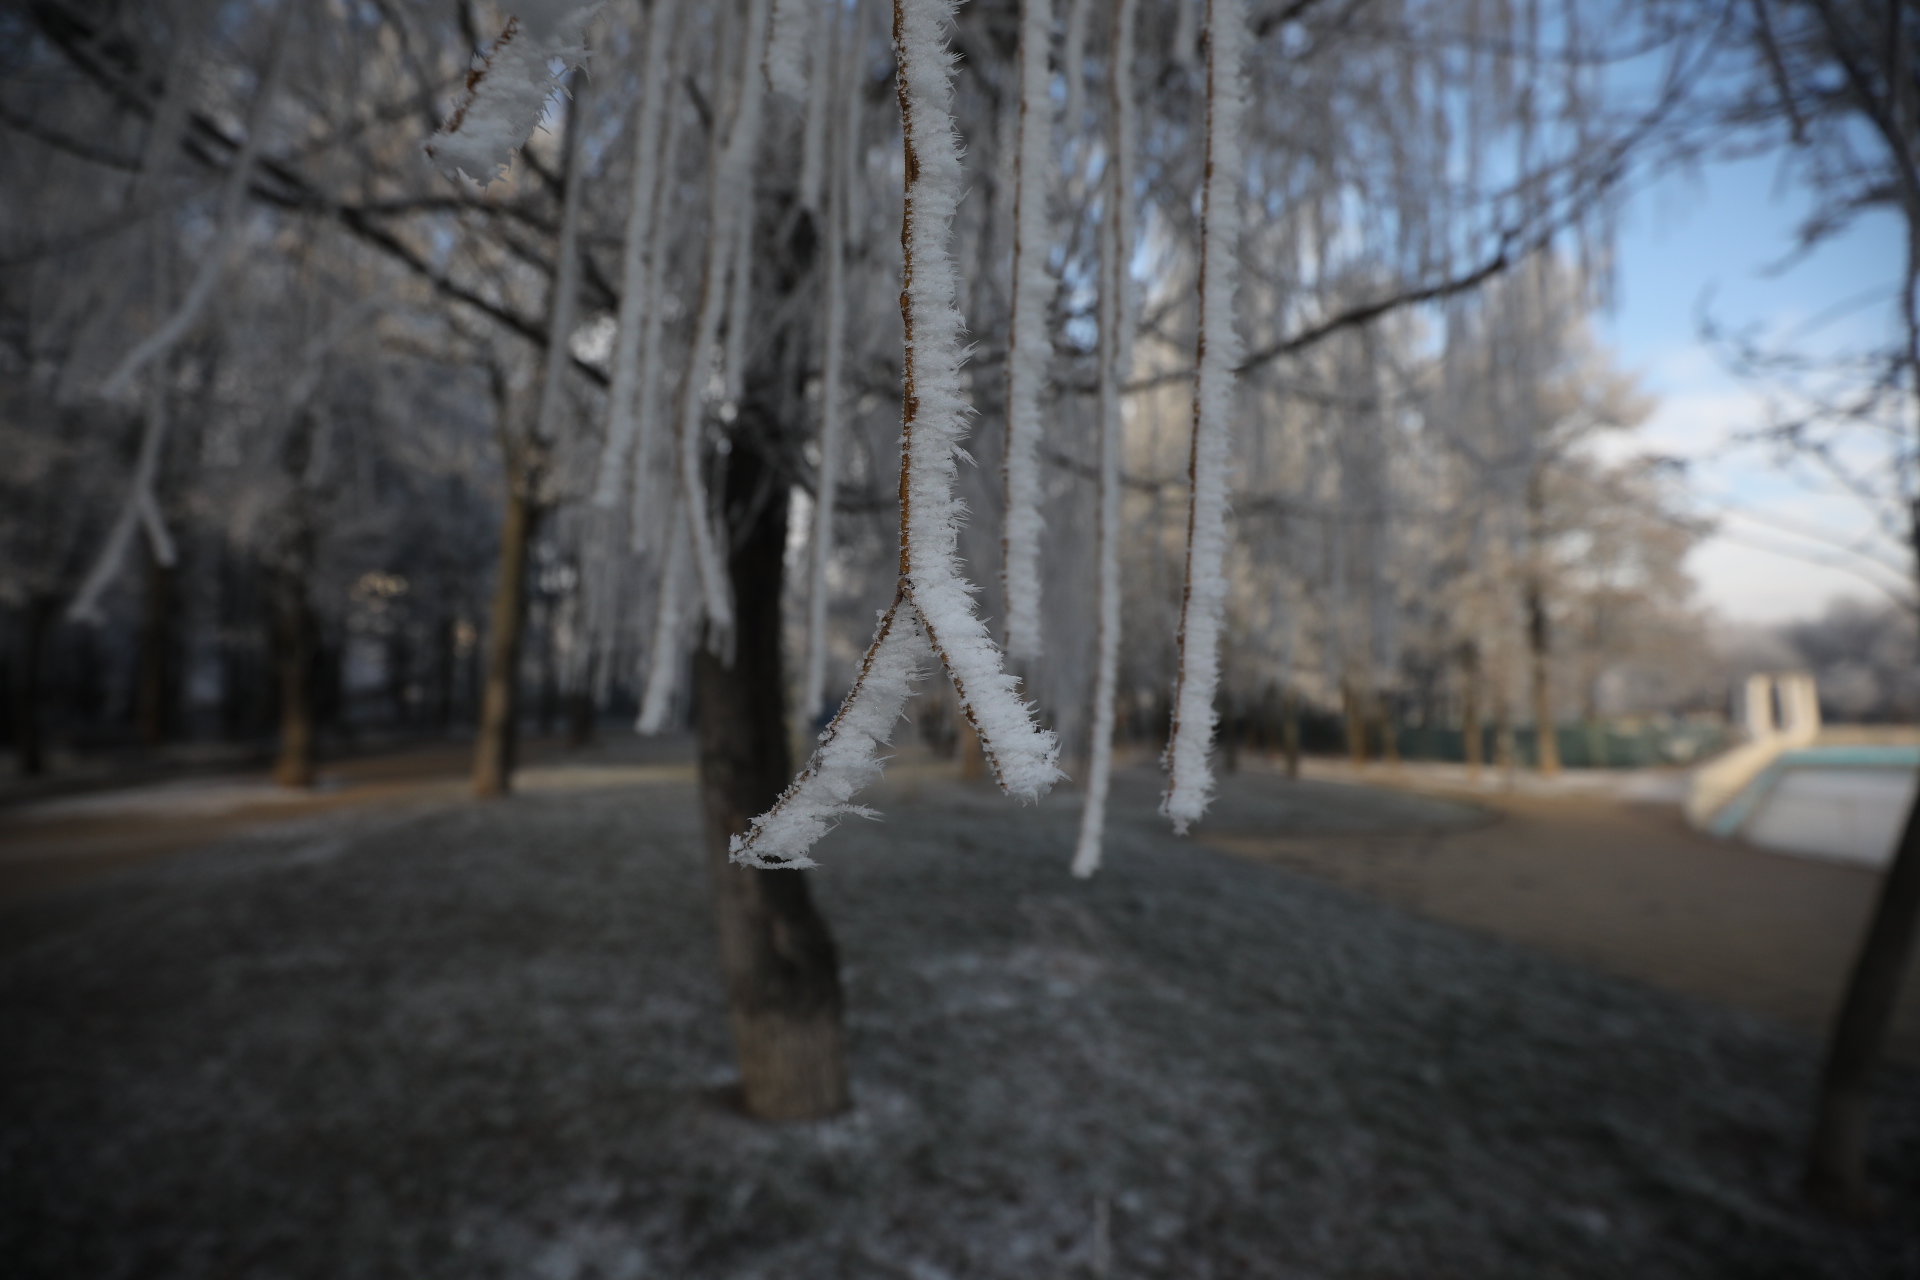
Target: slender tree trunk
point(1389, 729)
point(1539, 644)
point(445, 664)
point(580, 707)
point(1837, 1163)
point(500, 698)
point(28, 727)
point(777, 956)
point(1505, 751)
point(1473, 745)
point(1290, 729)
point(1356, 724)
point(152, 690)
point(293, 657)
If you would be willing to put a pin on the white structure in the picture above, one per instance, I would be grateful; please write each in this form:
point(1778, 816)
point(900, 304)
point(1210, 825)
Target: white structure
point(1770, 732)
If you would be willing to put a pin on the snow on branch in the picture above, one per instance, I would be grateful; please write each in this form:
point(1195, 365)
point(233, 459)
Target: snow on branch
point(639, 274)
point(507, 93)
point(1030, 345)
point(1190, 779)
point(1116, 342)
point(848, 757)
point(730, 206)
point(933, 598)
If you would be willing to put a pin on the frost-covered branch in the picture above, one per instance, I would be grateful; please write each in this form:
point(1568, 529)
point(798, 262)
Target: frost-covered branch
point(832, 402)
point(1029, 343)
point(640, 275)
point(1116, 342)
point(507, 93)
point(730, 209)
point(663, 655)
point(1190, 778)
point(933, 595)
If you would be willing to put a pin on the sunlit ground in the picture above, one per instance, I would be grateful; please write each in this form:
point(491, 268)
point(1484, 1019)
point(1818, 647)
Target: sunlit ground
point(1350, 1030)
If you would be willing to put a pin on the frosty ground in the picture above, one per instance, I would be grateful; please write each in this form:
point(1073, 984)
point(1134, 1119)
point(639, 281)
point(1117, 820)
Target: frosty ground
point(461, 1040)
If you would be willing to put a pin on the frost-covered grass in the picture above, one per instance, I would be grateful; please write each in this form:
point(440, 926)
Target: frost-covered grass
point(489, 1041)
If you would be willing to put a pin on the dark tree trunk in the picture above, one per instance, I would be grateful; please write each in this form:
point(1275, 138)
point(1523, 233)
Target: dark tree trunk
point(1355, 723)
point(1837, 1166)
point(1473, 747)
point(29, 729)
point(1290, 729)
point(154, 684)
point(445, 661)
point(294, 663)
point(580, 708)
point(499, 701)
point(777, 957)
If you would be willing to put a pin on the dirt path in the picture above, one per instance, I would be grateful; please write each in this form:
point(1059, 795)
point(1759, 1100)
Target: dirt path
point(1623, 887)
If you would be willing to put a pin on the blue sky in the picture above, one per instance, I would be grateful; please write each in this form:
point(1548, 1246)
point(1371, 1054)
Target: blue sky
point(1719, 232)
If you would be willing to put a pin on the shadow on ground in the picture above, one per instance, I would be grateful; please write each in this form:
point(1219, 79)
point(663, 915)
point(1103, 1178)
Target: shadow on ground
point(488, 1041)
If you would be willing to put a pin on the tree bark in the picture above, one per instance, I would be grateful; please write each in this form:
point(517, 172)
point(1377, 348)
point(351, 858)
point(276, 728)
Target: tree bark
point(1539, 641)
point(28, 728)
point(1356, 724)
point(500, 698)
point(1290, 729)
point(153, 689)
point(777, 957)
point(1473, 745)
point(293, 656)
point(1837, 1164)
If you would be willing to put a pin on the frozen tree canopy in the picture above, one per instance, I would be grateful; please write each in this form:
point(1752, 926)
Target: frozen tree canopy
point(1204, 384)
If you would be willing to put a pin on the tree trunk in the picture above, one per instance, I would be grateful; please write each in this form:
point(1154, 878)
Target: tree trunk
point(580, 708)
point(445, 667)
point(1539, 642)
point(500, 700)
point(1389, 729)
point(778, 960)
point(1290, 729)
point(28, 727)
point(1837, 1165)
point(154, 684)
point(1473, 745)
point(1356, 724)
point(293, 657)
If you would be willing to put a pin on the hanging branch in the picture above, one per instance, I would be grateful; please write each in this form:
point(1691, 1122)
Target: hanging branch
point(933, 604)
point(730, 208)
point(1029, 344)
point(1190, 779)
point(639, 267)
point(507, 93)
point(566, 272)
point(226, 241)
point(141, 511)
point(1116, 344)
point(644, 521)
point(821, 89)
point(663, 656)
point(832, 410)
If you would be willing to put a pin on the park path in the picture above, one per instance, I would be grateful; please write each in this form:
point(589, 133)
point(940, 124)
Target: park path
point(1620, 884)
